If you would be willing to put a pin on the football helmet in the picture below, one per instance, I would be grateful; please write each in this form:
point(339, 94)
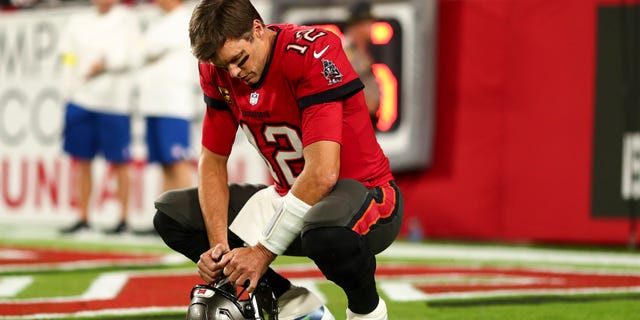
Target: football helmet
point(224, 302)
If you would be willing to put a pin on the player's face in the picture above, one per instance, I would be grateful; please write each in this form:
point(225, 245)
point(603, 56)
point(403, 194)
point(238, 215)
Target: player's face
point(245, 59)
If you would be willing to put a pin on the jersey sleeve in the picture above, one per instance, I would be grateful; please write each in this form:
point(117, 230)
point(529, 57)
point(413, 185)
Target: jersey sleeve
point(322, 122)
point(326, 73)
point(219, 125)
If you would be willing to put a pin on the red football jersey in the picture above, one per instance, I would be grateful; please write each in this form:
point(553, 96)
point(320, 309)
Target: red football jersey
point(308, 92)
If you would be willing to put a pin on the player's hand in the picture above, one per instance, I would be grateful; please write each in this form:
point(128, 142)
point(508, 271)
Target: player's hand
point(210, 265)
point(247, 264)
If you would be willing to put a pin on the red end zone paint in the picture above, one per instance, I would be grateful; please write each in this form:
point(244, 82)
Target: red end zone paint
point(161, 291)
point(19, 258)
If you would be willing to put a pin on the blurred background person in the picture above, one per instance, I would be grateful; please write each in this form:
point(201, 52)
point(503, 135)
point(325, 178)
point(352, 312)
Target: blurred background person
point(357, 45)
point(96, 48)
point(166, 84)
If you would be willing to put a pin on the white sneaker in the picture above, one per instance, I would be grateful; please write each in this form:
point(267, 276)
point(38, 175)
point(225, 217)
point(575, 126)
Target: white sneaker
point(299, 303)
point(379, 313)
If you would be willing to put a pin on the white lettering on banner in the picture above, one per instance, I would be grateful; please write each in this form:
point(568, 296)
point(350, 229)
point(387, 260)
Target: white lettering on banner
point(36, 178)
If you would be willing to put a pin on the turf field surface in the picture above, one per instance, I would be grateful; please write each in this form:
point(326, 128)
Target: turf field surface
point(43, 276)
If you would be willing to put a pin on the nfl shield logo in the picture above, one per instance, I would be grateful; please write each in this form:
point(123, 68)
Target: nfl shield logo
point(253, 98)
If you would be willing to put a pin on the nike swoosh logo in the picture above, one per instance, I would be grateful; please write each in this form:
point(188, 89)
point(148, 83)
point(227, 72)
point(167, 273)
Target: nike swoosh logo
point(319, 54)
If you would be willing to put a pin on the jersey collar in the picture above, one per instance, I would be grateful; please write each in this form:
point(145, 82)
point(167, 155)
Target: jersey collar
point(268, 64)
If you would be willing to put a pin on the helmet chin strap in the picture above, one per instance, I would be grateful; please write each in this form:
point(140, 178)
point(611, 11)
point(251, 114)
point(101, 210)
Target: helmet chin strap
point(264, 300)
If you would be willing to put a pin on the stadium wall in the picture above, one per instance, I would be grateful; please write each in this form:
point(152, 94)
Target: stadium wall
point(513, 154)
point(514, 143)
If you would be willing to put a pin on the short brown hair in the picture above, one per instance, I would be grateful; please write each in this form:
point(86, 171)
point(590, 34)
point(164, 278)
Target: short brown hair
point(213, 22)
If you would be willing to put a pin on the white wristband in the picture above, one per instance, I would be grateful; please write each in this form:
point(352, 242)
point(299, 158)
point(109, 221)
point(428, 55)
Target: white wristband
point(285, 225)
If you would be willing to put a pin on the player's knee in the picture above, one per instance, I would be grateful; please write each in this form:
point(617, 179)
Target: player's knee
point(341, 254)
point(179, 238)
point(337, 208)
point(161, 223)
point(181, 205)
point(168, 229)
point(330, 243)
point(178, 201)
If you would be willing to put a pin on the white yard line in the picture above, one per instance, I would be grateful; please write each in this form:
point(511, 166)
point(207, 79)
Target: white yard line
point(402, 291)
point(311, 285)
point(15, 254)
point(399, 290)
point(11, 286)
point(410, 251)
point(106, 286)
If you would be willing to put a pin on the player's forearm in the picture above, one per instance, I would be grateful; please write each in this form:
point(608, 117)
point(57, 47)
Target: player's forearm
point(213, 194)
point(310, 188)
point(320, 174)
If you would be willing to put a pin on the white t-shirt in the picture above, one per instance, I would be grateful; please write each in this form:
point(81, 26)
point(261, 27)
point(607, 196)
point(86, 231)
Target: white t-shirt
point(90, 37)
point(167, 85)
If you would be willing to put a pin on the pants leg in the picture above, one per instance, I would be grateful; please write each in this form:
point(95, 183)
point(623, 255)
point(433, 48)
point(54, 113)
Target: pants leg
point(341, 234)
point(345, 230)
point(179, 221)
point(180, 224)
point(191, 244)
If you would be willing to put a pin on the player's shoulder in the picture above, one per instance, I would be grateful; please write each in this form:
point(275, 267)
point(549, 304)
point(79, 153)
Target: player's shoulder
point(209, 72)
point(206, 69)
